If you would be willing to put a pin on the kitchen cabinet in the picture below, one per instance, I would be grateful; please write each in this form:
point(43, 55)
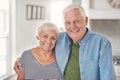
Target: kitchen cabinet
point(101, 9)
point(116, 62)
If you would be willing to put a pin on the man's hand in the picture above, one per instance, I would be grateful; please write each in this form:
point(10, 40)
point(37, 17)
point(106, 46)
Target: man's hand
point(19, 70)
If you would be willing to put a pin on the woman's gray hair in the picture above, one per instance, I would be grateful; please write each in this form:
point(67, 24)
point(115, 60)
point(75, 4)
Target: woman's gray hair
point(48, 26)
point(72, 6)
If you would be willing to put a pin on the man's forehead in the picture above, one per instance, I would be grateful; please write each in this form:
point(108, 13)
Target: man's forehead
point(72, 18)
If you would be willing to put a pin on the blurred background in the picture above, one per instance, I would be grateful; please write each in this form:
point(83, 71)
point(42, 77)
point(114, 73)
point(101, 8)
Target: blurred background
point(20, 18)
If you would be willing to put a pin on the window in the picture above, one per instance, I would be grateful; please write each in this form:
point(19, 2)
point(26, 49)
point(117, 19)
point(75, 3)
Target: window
point(4, 37)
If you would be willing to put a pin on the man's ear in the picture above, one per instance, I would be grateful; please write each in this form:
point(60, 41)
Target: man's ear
point(86, 20)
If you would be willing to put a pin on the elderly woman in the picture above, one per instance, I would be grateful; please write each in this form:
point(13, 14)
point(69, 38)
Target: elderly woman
point(40, 62)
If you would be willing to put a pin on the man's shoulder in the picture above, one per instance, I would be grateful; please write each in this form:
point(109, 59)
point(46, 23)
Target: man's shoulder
point(62, 39)
point(94, 37)
point(99, 36)
point(62, 35)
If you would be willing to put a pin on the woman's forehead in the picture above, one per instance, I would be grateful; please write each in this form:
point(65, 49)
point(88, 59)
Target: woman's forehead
point(48, 31)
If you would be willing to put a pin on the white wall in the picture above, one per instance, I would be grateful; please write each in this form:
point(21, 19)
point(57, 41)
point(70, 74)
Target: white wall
point(25, 29)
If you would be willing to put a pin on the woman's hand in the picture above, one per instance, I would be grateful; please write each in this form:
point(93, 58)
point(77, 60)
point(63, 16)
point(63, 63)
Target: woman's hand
point(19, 70)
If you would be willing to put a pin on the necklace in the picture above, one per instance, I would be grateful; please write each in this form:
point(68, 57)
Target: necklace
point(45, 54)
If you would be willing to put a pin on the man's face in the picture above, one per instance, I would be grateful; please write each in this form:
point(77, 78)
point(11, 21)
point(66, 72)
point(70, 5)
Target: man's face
point(75, 24)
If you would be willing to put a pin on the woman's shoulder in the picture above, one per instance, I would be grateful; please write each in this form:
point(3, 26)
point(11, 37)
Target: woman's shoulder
point(26, 53)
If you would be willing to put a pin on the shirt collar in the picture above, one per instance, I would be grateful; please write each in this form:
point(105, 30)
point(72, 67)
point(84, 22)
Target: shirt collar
point(84, 40)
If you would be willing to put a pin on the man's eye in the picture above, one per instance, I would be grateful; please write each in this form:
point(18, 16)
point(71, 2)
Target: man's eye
point(77, 21)
point(67, 23)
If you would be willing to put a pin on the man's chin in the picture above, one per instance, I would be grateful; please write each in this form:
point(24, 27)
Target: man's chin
point(74, 36)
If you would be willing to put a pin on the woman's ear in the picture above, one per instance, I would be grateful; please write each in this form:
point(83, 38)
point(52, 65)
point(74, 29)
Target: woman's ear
point(37, 37)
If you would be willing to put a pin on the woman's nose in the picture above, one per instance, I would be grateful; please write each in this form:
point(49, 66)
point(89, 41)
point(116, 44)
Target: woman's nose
point(48, 40)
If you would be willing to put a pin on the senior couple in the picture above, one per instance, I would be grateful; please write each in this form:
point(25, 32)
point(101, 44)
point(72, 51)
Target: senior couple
point(77, 54)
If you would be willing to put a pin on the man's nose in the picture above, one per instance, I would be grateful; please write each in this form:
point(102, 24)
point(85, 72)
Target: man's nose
point(73, 25)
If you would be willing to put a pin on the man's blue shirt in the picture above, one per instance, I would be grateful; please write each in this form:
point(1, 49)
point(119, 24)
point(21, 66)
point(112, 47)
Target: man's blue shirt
point(95, 56)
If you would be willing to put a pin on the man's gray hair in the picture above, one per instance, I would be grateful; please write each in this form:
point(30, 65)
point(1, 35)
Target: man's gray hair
point(48, 26)
point(72, 6)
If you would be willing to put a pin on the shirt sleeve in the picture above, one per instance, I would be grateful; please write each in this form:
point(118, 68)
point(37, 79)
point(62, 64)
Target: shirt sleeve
point(105, 62)
point(22, 59)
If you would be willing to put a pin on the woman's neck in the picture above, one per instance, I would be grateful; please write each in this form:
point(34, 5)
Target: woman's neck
point(45, 53)
point(42, 56)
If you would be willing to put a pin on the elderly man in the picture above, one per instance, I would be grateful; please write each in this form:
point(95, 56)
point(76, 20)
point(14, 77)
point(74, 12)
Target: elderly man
point(80, 53)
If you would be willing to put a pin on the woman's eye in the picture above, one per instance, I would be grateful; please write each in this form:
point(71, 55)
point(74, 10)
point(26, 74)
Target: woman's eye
point(45, 36)
point(53, 38)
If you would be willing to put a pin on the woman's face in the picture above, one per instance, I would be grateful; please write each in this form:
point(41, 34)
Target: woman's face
point(47, 39)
